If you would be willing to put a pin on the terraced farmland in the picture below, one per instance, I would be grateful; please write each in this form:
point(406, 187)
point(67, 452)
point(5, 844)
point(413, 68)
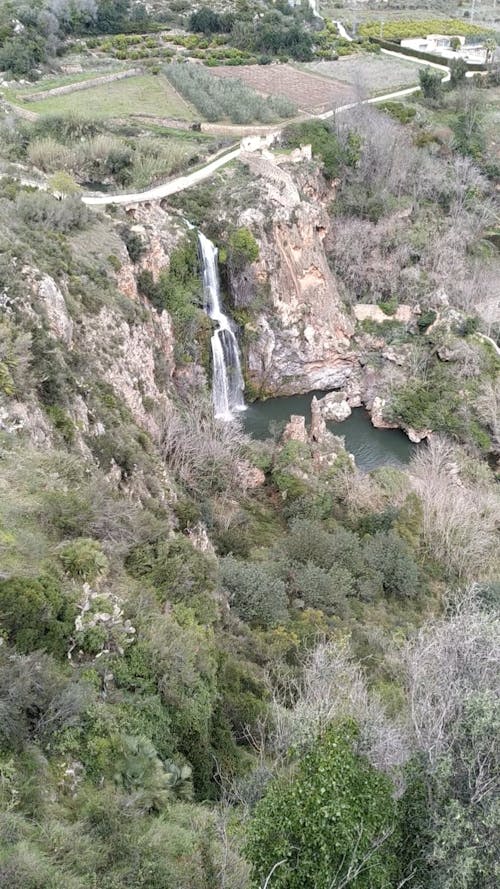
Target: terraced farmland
point(309, 92)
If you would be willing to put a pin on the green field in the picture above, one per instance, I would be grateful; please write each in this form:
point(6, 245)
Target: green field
point(145, 94)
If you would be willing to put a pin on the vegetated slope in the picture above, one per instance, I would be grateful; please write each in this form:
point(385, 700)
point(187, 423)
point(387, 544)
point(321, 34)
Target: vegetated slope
point(211, 661)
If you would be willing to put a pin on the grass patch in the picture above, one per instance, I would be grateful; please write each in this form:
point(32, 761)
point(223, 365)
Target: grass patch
point(145, 94)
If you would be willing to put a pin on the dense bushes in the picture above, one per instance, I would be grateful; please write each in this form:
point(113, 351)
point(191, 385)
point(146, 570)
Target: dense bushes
point(258, 597)
point(217, 98)
point(71, 144)
point(348, 565)
point(334, 815)
point(324, 144)
point(38, 208)
point(402, 28)
point(33, 33)
point(207, 21)
point(36, 614)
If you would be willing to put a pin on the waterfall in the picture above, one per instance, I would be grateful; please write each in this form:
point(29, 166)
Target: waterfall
point(227, 381)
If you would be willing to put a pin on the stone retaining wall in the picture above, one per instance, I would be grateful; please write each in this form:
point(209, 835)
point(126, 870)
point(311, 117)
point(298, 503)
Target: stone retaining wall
point(81, 85)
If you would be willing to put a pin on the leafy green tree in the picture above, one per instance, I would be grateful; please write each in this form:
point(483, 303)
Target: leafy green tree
point(430, 84)
point(331, 823)
point(458, 70)
point(468, 128)
point(206, 21)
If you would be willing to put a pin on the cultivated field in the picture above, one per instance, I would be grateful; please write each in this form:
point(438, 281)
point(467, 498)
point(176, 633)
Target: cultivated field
point(369, 74)
point(309, 92)
point(352, 12)
point(145, 94)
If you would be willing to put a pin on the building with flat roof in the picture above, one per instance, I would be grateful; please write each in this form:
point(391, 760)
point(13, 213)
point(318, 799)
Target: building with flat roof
point(445, 45)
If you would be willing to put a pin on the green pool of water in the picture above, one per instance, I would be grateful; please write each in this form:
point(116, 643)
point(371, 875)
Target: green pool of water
point(371, 447)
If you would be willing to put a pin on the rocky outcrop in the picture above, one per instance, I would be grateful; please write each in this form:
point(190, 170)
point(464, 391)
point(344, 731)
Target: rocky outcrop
point(335, 406)
point(128, 363)
point(323, 446)
point(295, 429)
point(380, 421)
point(301, 340)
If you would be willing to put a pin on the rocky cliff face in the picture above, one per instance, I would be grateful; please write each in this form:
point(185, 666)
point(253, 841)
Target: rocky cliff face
point(123, 343)
point(300, 340)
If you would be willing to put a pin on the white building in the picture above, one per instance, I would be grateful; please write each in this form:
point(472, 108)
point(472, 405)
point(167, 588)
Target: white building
point(441, 45)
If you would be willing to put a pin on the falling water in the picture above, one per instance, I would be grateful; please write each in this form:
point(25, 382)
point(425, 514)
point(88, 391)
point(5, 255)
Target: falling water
point(227, 382)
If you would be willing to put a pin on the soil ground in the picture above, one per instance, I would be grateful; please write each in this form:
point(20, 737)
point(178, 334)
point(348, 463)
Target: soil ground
point(309, 92)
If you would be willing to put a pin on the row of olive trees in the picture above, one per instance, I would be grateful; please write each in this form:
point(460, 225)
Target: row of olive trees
point(218, 98)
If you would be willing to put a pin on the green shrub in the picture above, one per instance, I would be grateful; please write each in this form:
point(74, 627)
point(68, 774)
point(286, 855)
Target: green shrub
point(40, 208)
point(38, 702)
point(83, 559)
point(399, 111)
point(242, 248)
point(325, 817)
point(430, 84)
point(390, 556)
point(244, 694)
point(62, 422)
point(426, 319)
point(36, 614)
point(256, 594)
point(175, 569)
point(324, 590)
point(323, 140)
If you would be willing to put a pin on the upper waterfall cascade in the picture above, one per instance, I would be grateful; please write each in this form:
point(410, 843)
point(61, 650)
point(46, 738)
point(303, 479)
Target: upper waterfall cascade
point(227, 378)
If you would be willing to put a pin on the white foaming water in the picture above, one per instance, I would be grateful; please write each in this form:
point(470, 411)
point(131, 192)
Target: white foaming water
point(227, 382)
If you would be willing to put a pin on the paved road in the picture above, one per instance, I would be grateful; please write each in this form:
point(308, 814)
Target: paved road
point(173, 186)
point(182, 182)
point(168, 188)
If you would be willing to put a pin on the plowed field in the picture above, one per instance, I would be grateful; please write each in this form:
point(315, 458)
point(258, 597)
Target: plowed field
point(308, 91)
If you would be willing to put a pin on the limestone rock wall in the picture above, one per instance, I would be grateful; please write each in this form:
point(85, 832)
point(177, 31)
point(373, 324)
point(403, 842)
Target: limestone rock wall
point(301, 339)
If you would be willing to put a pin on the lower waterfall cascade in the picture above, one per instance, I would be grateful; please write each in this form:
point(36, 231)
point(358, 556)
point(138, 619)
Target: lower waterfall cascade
point(227, 378)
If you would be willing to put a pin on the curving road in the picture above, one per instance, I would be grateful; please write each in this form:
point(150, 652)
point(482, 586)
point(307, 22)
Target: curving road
point(180, 183)
point(168, 188)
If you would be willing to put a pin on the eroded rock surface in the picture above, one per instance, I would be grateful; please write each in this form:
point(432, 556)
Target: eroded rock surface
point(300, 341)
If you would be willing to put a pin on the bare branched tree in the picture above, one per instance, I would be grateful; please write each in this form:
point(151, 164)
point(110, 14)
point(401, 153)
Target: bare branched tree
point(449, 662)
point(461, 521)
point(332, 686)
point(205, 453)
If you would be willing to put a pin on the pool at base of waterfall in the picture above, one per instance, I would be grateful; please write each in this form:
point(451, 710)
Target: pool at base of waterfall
point(371, 447)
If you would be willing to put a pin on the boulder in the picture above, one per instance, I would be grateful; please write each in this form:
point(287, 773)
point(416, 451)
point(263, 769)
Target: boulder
point(335, 406)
